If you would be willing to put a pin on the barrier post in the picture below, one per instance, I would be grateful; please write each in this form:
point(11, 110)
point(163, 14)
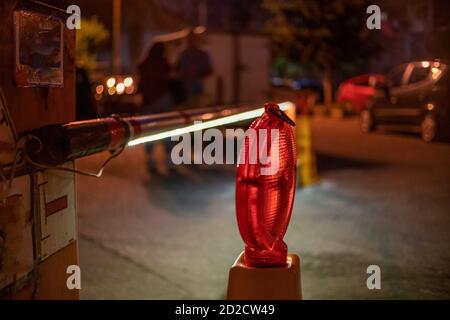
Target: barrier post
point(38, 222)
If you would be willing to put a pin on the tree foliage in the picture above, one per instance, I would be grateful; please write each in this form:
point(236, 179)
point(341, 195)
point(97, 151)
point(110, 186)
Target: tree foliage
point(90, 39)
point(330, 34)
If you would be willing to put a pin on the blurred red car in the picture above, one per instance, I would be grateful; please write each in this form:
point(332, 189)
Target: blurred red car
point(354, 93)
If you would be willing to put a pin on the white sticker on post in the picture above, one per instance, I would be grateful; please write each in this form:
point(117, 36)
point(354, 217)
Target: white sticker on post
point(56, 209)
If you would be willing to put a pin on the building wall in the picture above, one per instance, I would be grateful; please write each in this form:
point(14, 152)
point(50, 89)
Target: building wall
point(254, 60)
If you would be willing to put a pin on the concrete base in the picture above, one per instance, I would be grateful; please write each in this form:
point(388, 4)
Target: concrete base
point(246, 283)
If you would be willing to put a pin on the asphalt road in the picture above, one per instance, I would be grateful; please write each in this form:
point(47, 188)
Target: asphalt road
point(383, 199)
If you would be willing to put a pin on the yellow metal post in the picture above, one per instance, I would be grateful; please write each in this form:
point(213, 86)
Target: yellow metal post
point(306, 157)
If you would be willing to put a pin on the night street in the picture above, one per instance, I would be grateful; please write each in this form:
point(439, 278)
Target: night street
point(310, 157)
point(382, 199)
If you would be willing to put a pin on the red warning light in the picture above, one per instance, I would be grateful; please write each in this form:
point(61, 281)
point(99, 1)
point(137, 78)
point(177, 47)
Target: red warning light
point(265, 189)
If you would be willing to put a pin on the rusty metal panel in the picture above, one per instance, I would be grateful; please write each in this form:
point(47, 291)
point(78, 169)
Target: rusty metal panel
point(16, 233)
point(7, 135)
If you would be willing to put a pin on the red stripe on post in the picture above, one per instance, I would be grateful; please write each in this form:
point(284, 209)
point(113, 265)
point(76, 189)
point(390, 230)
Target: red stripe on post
point(187, 117)
point(55, 206)
point(136, 128)
point(116, 133)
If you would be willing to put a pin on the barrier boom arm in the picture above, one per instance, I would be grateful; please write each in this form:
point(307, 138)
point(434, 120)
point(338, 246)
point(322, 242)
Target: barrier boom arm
point(56, 144)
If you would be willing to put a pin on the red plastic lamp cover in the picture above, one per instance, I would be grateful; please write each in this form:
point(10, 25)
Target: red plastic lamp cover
point(265, 188)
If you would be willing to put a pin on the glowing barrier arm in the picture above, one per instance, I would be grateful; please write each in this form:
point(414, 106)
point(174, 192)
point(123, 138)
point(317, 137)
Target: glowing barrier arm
point(57, 144)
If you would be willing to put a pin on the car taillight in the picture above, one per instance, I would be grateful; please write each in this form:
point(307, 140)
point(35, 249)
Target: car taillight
point(265, 189)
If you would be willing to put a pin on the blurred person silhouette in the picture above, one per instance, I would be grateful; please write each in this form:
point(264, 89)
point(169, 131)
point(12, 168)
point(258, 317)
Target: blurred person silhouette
point(154, 72)
point(193, 65)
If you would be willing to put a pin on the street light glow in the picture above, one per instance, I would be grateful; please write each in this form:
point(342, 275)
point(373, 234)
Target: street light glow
point(120, 88)
point(128, 81)
point(111, 82)
point(112, 91)
point(99, 89)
